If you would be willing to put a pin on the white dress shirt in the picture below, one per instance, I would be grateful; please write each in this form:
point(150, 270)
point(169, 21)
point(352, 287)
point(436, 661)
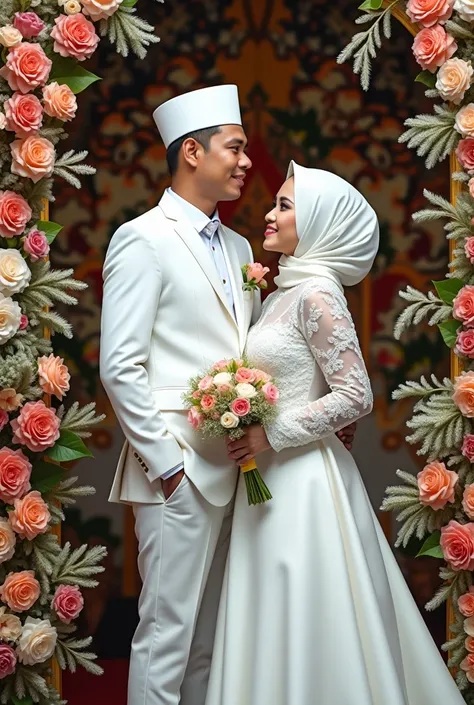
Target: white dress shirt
point(208, 230)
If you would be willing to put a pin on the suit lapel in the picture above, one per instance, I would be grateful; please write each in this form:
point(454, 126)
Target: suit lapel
point(235, 274)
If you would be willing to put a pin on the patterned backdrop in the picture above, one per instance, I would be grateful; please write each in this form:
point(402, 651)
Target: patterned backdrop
point(297, 103)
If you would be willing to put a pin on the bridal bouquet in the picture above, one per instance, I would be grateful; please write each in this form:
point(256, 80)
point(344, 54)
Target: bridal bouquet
point(228, 397)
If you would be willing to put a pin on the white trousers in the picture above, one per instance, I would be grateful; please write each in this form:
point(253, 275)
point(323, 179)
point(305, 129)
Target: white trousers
point(183, 546)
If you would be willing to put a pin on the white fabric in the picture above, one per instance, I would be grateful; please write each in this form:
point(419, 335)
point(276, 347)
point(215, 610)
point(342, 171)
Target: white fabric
point(196, 110)
point(165, 317)
point(314, 609)
point(337, 230)
point(183, 544)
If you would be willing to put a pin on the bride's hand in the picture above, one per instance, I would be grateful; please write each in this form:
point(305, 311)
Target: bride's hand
point(254, 441)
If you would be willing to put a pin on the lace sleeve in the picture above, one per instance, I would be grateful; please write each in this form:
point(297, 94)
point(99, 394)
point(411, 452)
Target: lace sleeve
point(325, 322)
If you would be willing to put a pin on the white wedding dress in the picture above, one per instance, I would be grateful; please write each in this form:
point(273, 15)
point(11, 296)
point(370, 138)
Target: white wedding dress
point(314, 609)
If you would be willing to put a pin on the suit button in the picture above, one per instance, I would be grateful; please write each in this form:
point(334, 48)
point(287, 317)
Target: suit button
point(135, 454)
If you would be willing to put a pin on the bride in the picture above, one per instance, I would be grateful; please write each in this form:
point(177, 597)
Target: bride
point(314, 609)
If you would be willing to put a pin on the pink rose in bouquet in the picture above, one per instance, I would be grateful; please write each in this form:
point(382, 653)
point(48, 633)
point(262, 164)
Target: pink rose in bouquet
point(457, 544)
point(28, 23)
point(74, 36)
point(465, 343)
point(36, 245)
point(429, 12)
point(27, 67)
point(67, 602)
point(465, 154)
point(468, 447)
point(24, 114)
point(463, 306)
point(15, 213)
point(466, 603)
point(469, 249)
point(432, 47)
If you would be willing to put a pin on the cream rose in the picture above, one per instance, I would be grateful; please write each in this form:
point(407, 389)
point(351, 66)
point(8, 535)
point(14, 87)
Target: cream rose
point(229, 420)
point(245, 390)
point(72, 7)
point(453, 80)
point(15, 274)
point(10, 36)
point(464, 122)
point(10, 316)
point(7, 541)
point(3, 121)
point(223, 378)
point(37, 641)
point(10, 626)
point(465, 8)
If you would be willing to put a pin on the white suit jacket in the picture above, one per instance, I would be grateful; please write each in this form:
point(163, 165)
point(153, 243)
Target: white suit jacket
point(165, 318)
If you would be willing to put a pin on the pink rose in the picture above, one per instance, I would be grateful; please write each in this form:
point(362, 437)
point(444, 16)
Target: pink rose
point(261, 376)
point(30, 517)
point(465, 343)
point(196, 395)
point(33, 157)
point(457, 544)
point(24, 114)
point(7, 660)
point(429, 12)
point(14, 214)
point(467, 666)
point(224, 388)
point(468, 626)
point(256, 272)
point(36, 427)
point(468, 501)
point(436, 485)
point(3, 419)
point(15, 473)
point(53, 375)
point(432, 47)
point(36, 245)
point(74, 36)
point(27, 67)
point(468, 447)
point(469, 644)
point(23, 322)
point(471, 187)
point(208, 402)
point(469, 249)
point(206, 383)
point(465, 154)
point(28, 23)
point(240, 407)
point(221, 365)
point(463, 395)
point(244, 374)
point(67, 602)
point(195, 417)
point(59, 101)
point(20, 590)
point(466, 603)
point(463, 306)
point(271, 393)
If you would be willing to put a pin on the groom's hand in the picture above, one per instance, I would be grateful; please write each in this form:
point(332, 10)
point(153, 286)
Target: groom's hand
point(254, 441)
point(346, 435)
point(171, 483)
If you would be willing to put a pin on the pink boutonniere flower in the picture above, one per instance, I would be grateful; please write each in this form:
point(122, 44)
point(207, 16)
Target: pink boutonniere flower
point(254, 276)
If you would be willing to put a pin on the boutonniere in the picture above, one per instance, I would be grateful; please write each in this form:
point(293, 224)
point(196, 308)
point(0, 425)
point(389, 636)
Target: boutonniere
point(254, 276)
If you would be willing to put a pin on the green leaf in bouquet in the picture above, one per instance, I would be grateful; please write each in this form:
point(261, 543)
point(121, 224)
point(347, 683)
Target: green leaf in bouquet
point(69, 446)
point(21, 701)
point(431, 546)
point(371, 5)
point(449, 331)
point(49, 228)
point(448, 289)
point(46, 476)
point(426, 78)
point(67, 71)
point(129, 3)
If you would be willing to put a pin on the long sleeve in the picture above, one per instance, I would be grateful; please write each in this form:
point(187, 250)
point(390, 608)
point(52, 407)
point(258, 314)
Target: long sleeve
point(325, 322)
point(132, 287)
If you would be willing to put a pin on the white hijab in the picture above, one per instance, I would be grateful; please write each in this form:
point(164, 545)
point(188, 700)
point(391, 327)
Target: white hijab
point(337, 229)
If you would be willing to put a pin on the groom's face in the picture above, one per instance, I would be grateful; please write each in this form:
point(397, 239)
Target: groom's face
point(221, 169)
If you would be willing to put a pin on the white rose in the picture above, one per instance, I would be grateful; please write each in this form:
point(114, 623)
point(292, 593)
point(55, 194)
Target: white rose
point(3, 121)
point(10, 315)
point(223, 378)
point(465, 8)
point(72, 7)
point(245, 390)
point(10, 626)
point(10, 36)
point(15, 274)
point(229, 420)
point(454, 78)
point(37, 641)
point(100, 9)
point(7, 541)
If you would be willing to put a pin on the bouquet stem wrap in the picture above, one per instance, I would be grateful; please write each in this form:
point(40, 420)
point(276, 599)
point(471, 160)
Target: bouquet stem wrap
point(257, 491)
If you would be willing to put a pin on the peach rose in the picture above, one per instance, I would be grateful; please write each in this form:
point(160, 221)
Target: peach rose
point(59, 101)
point(206, 383)
point(261, 376)
point(14, 214)
point(195, 417)
point(467, 666)
point(10, 36)
point(33, 157)
point(244, 374)
point(10, 626)
point(465, 154)
point(15, 473)
point(221, 365)
point(469, 249)
point(457, 544)
point(208, 402)
point(240, 407)
point(432, 47)
point(100, 9)
point(256, 272)
point(53, 375)
point(10, 399)
point(7, 542)
point(468, 447)
point(67, 602)
point(464, 122)
point(74, 36)
point(20, 590)
point(36, 245)
point(37, 642)
point(271, 393)
point(29, 24)
point(468, 501)
point(465, 8)
point(463, 306)
point(36, 427)
point(429, 12)
point(453, 80)
point(31, 516)
point(463, 395)
point(465, 343)
point(8, 660)
point(3, 419)
point(24, 114)
point(469, 644)
point(27, 67)
point(466, 603)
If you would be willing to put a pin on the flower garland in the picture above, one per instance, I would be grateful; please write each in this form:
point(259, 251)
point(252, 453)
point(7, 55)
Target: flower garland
point(43, 44)
point(437, 506)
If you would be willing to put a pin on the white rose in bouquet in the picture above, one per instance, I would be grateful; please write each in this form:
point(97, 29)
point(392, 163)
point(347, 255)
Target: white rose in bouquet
point(37, 641)
point(15, 274)
point(245, 390)
point(10, 317)
point(465, 8)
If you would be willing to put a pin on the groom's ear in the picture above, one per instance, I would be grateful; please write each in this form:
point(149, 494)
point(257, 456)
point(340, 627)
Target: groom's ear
point(192, 151)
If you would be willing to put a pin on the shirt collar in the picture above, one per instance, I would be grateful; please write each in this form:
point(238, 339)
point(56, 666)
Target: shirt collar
point(198, 219)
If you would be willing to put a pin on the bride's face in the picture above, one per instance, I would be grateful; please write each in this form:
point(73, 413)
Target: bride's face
point(280, 235)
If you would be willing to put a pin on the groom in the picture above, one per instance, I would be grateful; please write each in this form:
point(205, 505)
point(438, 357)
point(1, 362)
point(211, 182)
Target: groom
point(173, 305)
